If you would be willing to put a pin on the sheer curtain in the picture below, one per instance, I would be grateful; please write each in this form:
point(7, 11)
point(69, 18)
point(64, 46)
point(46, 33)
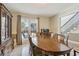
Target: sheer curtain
point(28, 25)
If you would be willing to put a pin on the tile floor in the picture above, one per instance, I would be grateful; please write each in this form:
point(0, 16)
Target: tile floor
point(21, 50)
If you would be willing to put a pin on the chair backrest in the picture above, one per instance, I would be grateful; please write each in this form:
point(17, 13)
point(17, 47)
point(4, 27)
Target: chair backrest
point(34, 49)
point(32, 46)
point(61, 38)
point(55, 37)
point(74, 37)
point(67, 38)
point(30, 41)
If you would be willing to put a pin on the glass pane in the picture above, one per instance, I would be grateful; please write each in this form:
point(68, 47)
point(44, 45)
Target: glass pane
point(28, 25)
point(7, 27)
point(3, 27)
point(66, 18)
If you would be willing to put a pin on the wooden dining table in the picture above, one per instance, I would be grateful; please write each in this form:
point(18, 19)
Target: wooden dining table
point(51, 46)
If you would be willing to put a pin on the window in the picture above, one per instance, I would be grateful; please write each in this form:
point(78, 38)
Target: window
point(3, 26)
point(28, 25)
point(66, 19)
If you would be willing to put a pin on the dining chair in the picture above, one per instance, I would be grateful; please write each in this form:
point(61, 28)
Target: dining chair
point(66, 40)
point(61, 38)
point(34, 50)
point(73, 37)
point(55, 37)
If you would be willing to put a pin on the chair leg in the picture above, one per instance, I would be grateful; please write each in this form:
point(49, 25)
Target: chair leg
point(68, 54)
point(2, 52)
point(74, 53)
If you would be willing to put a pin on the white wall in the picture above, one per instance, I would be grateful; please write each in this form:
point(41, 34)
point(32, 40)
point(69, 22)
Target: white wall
point(44, 23)
point(55, 24)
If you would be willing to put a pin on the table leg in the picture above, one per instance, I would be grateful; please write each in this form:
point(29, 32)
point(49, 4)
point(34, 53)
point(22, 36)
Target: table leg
point(68, 54)
point(74, 53)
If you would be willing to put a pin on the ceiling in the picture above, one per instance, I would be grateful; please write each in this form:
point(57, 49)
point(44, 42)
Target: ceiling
point(42, 9)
